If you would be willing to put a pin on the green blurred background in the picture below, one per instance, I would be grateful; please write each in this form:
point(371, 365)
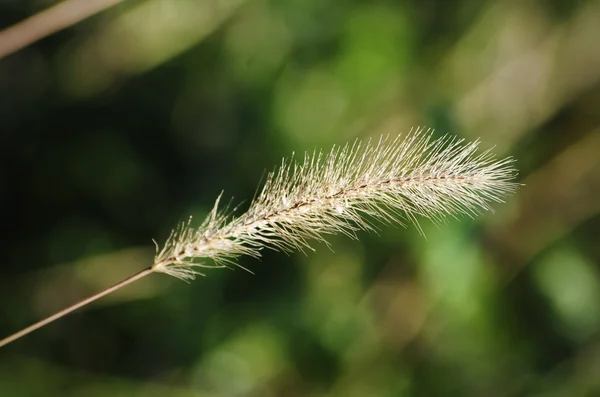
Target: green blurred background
point(117, 128)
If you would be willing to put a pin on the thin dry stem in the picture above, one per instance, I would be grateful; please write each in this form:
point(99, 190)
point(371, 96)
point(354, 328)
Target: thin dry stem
point(74, 307)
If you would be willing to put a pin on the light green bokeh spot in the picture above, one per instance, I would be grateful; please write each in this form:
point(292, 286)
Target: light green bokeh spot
point(244, 362)
point(310, 105)
point(374, 51)
point(571, 284)
point(454, 274)
point(257, 43)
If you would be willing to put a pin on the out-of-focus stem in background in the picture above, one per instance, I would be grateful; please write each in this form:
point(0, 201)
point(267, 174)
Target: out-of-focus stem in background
point(47, 22)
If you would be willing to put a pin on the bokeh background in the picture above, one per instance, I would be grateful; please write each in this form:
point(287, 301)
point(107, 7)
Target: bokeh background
point(117, 128)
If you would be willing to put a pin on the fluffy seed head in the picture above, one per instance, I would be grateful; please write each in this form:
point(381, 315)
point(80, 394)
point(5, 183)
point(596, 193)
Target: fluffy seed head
point(350, 188)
